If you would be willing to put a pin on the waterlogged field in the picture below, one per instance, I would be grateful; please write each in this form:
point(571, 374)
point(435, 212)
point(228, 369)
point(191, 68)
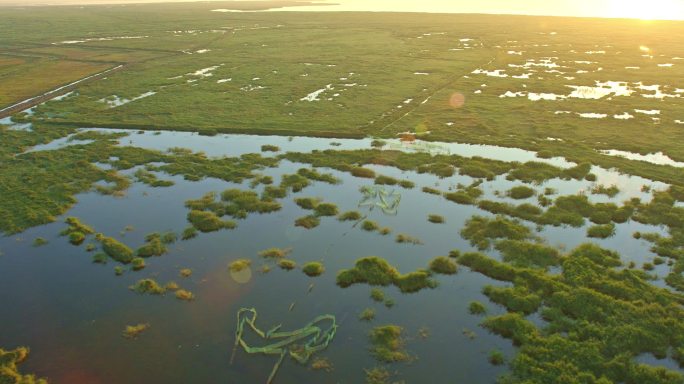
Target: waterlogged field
point(460, 198)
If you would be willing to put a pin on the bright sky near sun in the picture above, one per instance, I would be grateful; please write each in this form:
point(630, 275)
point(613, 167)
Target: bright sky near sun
point(641, 9)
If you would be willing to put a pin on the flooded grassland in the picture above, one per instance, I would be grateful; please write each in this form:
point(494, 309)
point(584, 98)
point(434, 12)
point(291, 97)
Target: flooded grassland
point(444, 200)
point(172, 244)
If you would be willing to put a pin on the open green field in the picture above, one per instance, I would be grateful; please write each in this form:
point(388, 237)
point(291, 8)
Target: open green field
point(376, 74)
point(25, 77)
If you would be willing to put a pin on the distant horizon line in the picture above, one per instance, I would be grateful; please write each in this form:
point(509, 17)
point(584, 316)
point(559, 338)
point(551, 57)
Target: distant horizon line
point(317, 4)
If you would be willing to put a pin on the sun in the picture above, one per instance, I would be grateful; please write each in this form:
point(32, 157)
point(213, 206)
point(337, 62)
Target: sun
point(647, 9)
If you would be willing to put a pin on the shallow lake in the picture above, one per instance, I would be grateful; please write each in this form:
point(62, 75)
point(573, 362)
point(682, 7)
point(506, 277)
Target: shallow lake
point(71, 312)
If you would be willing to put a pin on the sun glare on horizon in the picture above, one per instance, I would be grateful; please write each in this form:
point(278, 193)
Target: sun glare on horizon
point(646, 10)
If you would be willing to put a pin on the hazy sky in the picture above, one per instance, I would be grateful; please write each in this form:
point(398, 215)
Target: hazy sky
point(648, 9)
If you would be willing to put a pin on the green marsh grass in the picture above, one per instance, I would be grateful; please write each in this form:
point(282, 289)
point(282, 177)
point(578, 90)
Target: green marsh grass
point(443, 265)
point(239, 265)
point(387, 344)
point(287, 264)
point(313, 269)
point(436, 219)
point(134, 331)
point(308, 222)
point(350, 216)
point(9, 370)
point(367, 314)
point(148, 286)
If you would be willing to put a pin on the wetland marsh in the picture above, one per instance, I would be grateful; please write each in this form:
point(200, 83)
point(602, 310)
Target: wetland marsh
point(358, 169)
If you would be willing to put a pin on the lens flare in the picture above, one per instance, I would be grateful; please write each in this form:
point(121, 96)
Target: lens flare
point(457, 100)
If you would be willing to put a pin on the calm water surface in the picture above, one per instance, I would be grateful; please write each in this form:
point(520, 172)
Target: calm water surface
point(71, 312)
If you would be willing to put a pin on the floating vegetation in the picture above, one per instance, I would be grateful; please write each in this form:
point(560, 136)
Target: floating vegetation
point(9, 372)
point(133, 331)
point(147, 286)
point(378, 375)
point(367, 314)
point(189, 233)
point(403, 238)
point(601, 231)
point(377, 295)
point(39, 242)
point(239, 203)
point(407, 184)
point(272, 192)
point(313, 174)
point(206, 221)
point(321, 364)
point(469, 333)
point(374, 270)
point(518, 299)
point(275, 253)
point(185, 272)
point(496, 357)
point(443, 265)
point(261, 179)
point(299, 344)
point(610, 191)
point(171, 286)
point(387, 344)
point(481, 231)
point(362, 172)
point(436, 219)
point(385, 180)
point(385, 231)
point(239, 265)
point(326, 209)
point(520, 192)
point(294, 182)
point(90, 247)
point(432, 191)
point(350, 216)
point(137, 264)
point(184, 295)
point(76, 231)
point(151, 179)
point(169, 237)
point(308, 222)
point(528, 255)
point(476, 308)
point(115, 249)
point(287, 264)
point(375, 196)
point(307, 202)
point(460, 197)
point(369, 225)
point(153, 247)
point(118, 270)
point(100, 258)
point(270, 148)
point(313, 269)
point(76, 238)
point(75, 225)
